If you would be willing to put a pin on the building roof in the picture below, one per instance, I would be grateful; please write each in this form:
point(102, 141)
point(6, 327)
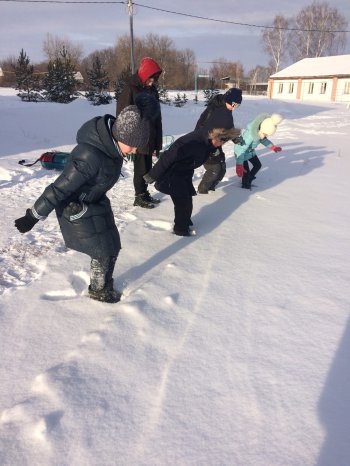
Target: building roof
point(336, 65)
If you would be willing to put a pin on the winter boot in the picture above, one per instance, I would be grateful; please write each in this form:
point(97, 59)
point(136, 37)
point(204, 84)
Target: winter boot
point(151, 199)
point(107, 295)
point(141, 201)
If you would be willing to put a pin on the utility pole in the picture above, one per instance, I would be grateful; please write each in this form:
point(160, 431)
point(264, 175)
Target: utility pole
point(130, 10)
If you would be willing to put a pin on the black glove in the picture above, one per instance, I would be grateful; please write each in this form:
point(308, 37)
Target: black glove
point(148, 179)
point(26, 223)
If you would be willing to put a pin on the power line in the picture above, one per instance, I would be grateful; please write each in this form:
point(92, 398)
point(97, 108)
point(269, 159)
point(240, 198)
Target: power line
point(233, 22)
point(236, 23)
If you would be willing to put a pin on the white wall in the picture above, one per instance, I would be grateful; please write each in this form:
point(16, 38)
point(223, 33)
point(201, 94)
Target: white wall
point(286, 88)
point(343, 90)
point(317, 86)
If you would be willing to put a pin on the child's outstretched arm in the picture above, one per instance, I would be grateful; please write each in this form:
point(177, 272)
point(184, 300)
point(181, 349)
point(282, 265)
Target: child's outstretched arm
point(270, 145)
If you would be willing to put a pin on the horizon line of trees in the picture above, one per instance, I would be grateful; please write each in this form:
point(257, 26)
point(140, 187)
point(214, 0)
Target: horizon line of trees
point(312, 39)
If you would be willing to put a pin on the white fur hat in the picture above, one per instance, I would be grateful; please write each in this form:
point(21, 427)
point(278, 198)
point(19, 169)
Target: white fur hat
point(269, 125)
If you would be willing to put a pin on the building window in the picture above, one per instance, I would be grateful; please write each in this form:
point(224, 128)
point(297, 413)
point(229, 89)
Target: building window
point(291, 88)
point(311, 88)
point(323, 88)
point(280, 88)
point(347, 87)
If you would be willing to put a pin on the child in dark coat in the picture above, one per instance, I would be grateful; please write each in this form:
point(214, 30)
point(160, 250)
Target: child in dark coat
point(79, 194)
point(218, 114)
point(144, 81)
point(174, 170)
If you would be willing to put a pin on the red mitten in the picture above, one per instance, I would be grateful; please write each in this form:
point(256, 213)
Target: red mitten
point(239, 170)
point(276, 148)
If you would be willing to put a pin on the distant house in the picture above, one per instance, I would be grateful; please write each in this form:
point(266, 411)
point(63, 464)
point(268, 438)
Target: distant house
point(1, 73)
point(325, 79)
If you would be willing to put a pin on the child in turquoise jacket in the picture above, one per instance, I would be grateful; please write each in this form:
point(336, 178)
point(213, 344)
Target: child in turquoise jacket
point(256, 133)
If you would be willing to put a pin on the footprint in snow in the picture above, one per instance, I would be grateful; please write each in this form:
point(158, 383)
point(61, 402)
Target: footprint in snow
point(79, 281)
point(159, 225)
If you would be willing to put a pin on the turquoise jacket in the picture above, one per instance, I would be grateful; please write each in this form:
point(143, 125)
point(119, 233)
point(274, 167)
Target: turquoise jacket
point(251, 139)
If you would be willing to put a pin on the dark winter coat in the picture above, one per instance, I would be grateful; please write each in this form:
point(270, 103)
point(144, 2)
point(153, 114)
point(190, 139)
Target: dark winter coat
point(174, 170)
point(127, 97)
point(216, 115)
point(79, 194)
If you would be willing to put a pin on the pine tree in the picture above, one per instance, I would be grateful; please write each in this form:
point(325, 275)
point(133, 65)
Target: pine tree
point(59, 83)
point(163, 96)
point(26, 82)
point(179, 101)
point(121, 81)
point(209, 93)
point(97, 92)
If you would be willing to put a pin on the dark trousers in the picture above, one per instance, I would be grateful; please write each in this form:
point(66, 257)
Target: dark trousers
point(214, 173)
point(249, 174)
point(142, 165)
point(183, 207)
point(101, 273)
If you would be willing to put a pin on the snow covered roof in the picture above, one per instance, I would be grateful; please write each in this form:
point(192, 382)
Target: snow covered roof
point(337, 65)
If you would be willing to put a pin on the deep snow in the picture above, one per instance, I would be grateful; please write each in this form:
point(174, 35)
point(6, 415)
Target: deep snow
point(229, 348)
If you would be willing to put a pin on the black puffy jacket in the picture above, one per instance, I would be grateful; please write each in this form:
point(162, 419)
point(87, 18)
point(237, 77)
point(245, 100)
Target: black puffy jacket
point(79, 194)
point(216, 115)
point(175, 168)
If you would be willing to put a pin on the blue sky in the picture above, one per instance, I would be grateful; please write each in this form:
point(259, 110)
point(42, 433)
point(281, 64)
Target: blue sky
point(98, 26)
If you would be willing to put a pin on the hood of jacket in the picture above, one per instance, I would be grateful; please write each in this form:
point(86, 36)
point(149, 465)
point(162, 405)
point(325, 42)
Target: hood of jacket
point(97, 133)
point(253, 126)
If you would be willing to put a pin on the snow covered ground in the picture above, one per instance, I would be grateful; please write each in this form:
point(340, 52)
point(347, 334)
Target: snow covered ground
point(229, 348)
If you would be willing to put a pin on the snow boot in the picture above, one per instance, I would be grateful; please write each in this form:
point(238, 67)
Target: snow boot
point(151, 199)
point(107, 295)
point(142, 201)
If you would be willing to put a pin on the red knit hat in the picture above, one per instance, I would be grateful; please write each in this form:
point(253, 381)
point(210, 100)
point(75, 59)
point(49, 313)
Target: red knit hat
point(148, 67)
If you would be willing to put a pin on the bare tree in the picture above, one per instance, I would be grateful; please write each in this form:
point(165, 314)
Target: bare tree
point(259, 74)
point(322, 32)
point(54, 45)
point(177, 65)
point(275, 41)
point(223, 68)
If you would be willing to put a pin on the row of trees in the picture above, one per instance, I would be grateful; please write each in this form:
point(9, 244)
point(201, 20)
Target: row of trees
point(287, 40)
point(317, 30)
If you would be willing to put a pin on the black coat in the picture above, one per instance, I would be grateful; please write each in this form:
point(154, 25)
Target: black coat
point(127, 97)
point(216, 115)
point(79, 194)
point(174, 170)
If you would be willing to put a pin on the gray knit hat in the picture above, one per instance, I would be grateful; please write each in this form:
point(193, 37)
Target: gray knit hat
point(130, 128)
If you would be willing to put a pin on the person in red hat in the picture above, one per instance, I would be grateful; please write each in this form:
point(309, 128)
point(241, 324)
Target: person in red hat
point(144, 80)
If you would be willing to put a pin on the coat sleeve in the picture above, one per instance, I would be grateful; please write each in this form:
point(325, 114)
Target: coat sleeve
point(166, 161)
point(159, 128)
point(81, 167)
point(266, 142)
point(126, 98)
point(203, 118)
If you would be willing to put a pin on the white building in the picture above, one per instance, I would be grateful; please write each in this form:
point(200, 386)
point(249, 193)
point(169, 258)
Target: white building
point(325, 79)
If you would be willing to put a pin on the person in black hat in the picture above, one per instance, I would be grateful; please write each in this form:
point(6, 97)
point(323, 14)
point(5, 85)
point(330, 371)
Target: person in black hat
point(218, 114)
point(79, 194)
